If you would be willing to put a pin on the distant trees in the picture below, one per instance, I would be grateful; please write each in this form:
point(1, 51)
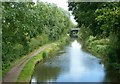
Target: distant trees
point(100, 27)
point(27, 26)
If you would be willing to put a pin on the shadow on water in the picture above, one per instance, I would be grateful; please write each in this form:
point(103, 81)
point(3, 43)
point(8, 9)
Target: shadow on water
point(112, 75)
point(71, 64)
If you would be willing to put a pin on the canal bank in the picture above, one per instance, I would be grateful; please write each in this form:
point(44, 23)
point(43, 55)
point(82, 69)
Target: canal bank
point(110, 70)
point(74, 65)
point(26, 73)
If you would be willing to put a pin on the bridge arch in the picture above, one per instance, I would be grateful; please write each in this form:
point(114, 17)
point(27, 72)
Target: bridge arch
point(74, 32)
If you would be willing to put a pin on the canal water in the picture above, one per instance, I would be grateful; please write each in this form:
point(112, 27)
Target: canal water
point(72, 65)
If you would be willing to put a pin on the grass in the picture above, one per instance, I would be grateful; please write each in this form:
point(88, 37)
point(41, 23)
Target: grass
point(97, 47)
point(12, 65)
point(18, 60)
point(27, 71)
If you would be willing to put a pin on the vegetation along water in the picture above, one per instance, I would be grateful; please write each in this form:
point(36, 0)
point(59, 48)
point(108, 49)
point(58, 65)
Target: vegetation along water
point(72, 65)
point(26, 27)
point(35, 32)
point(99, 29)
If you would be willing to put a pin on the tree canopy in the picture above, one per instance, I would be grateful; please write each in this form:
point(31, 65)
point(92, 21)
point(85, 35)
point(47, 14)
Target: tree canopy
point(100, 27)
point(27, 26)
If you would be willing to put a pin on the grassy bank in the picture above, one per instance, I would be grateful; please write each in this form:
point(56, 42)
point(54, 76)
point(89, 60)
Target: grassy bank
point(27, 26)
point(101, 48)
point(26, 73)
point(97, 47)
point(21, 52)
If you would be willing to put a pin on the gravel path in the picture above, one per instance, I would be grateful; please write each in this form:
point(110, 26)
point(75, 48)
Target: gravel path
point(13, 74)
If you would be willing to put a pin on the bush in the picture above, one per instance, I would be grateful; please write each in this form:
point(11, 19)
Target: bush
point(33, 43)
point(44, 54)
point(18, 50)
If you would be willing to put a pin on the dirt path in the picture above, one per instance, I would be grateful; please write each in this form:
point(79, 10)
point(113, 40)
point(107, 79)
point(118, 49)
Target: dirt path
point(13, 74)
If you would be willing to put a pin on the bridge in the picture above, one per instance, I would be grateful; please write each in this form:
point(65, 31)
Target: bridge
point(74, 32)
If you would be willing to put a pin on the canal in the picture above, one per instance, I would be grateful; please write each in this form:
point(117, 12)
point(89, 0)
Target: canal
point(71, 64)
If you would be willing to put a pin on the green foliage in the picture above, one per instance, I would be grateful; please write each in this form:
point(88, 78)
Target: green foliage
point(100, 28)
point(84, 32)
point(44, 54)
point(27, 71)
point(98, 46)
point(81, 11)
point(108, 18)
point(27, 26)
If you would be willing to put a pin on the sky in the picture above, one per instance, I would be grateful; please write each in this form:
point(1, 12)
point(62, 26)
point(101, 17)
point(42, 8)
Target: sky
point(63, 4)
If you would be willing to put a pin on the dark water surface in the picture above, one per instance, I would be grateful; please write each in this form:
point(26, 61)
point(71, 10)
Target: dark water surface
point(74, 65)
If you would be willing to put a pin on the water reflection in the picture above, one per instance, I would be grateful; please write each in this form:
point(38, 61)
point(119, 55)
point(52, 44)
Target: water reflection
point(46, 73)
point(75, 44)
point(112, 75)
point(74, 65)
